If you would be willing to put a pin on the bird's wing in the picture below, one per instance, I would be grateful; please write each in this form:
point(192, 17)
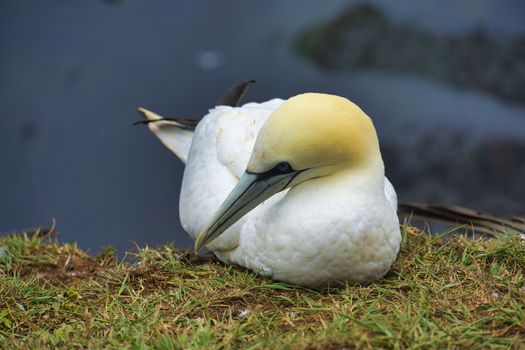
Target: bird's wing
point(176, 134)
point(221, 148)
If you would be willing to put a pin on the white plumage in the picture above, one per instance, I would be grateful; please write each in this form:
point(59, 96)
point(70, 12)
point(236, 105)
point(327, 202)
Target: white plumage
point(337, 228)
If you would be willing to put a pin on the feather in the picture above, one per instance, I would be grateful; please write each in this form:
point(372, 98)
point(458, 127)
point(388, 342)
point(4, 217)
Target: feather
point(234, 95)
point(476, 221)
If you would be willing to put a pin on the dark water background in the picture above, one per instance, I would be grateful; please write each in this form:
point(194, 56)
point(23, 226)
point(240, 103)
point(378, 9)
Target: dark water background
point(73, 72)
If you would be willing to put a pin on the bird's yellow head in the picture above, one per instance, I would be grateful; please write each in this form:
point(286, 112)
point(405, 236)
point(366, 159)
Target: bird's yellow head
point(315, 131)
point(308, 136)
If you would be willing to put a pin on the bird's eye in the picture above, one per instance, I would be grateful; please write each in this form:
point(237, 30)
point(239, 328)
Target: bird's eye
point(283, 167)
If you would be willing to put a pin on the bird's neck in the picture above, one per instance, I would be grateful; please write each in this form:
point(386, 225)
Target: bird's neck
point(368, 178)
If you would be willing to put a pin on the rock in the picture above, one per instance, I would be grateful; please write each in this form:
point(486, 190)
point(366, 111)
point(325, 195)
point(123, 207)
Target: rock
point(363, 37)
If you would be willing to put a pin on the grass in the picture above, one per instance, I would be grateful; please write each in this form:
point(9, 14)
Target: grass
point(441, 293)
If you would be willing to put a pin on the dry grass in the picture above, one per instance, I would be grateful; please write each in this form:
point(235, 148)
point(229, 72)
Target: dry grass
point(441, 293)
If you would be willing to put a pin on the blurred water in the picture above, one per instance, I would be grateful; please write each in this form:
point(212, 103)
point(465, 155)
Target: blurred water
point(74, 72)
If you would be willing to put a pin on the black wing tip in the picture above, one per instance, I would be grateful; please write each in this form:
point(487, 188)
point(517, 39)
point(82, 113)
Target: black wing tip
point(235, 94)
point(142, 112)
point(142, 122)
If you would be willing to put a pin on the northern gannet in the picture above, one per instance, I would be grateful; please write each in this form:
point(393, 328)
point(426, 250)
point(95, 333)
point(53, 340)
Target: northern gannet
point(294, 190)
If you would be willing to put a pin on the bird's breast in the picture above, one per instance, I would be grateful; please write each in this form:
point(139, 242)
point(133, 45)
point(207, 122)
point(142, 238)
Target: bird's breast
point(316, 234)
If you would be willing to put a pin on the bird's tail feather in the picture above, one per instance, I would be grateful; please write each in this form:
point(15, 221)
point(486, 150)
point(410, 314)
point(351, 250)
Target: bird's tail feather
point(476, 221)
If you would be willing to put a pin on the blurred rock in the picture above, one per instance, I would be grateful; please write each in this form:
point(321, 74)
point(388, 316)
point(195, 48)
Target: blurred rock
point(487, 176)
point(363, 37)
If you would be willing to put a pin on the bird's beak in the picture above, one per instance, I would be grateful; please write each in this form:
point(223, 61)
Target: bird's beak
point(251, 191)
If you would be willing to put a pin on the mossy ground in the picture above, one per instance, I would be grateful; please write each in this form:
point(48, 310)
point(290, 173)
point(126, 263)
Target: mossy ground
point(441, 293)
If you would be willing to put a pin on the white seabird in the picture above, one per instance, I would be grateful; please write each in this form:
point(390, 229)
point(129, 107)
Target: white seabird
point(294, 190)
